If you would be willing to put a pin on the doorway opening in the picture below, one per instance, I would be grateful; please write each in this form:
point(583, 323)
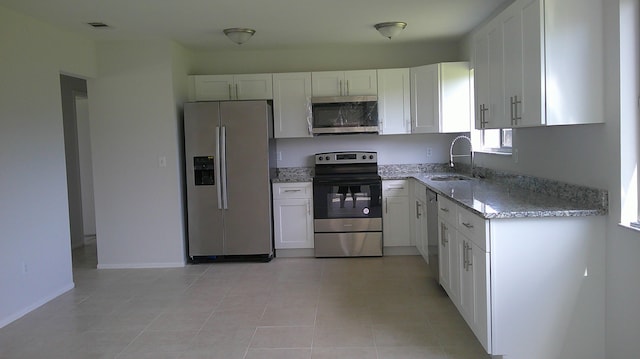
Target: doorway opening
point(77, 142)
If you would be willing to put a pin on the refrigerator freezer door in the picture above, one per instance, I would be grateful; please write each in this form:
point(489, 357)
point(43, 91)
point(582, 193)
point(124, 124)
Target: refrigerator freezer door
point(205, 219)
point(248, 207)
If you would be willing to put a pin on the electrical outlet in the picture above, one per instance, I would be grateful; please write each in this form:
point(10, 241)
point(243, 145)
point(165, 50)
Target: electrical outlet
point(162, 161)
point(279, 155)
point(429, 151)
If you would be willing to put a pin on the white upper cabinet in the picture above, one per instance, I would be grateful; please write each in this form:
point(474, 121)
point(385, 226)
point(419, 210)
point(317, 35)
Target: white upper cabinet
point(394, 101)
point(344, 83)
point(230, 87)
point(440, 98)
point(291, 111)
point(531, 70)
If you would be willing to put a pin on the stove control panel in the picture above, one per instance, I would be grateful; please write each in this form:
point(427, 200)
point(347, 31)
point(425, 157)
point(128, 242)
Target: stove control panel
point(332, 158)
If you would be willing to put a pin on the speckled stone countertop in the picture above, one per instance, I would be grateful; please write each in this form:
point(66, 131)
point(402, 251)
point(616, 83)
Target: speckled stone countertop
point(491, 194)
point(293, 174)
point(494, 199)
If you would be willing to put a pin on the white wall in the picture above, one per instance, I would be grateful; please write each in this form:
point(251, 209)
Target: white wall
point(623, 244)
point(326, 58)
point(134, 126)
point(35, 247)
point(393, 149)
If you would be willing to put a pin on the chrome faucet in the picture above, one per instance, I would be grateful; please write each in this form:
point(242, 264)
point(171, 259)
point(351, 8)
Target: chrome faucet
point(470, 155)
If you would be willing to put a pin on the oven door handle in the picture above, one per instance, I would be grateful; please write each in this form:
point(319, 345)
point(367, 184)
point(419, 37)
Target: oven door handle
point(349, 182)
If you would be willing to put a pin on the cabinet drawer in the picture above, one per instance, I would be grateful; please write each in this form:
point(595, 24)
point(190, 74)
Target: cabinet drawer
point(293, 190)
point(473, 227)
point(395, 188)
point(447, 210)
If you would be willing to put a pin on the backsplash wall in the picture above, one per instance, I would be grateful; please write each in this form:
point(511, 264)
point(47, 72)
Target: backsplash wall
point(392, 149)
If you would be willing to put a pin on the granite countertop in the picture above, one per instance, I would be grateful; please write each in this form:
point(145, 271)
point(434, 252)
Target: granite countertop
point(495, 195)
point(494, 199)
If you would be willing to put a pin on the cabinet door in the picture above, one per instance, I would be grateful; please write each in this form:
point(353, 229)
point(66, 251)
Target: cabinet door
point(327, 83)
point(214, 87)
point(253, 87)
point(424, 99)
point(455, 97)
point(474, 290)
point(394, 101)
point(293, 223)
point(291, 112)
point(522, 63)
point(495, 115)
point(448, 256)
point(481, 78)
point(395, 221)
point(360, 82)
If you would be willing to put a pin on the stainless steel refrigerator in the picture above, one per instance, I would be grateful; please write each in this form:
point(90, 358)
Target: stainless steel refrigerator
point(229, 161)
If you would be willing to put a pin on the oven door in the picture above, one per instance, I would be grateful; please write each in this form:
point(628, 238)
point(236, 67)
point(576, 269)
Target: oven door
point(336, 198)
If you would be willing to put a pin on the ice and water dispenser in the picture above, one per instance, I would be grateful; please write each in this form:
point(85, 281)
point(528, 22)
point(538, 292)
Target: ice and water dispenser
point(203, 171)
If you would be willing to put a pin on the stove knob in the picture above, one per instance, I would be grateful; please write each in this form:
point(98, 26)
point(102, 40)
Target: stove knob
point(364, 157)
point(370, 157)
point(327, 158)
point(320, 158)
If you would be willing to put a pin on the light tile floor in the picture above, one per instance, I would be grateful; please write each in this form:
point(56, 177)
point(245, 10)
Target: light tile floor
point(290, 308)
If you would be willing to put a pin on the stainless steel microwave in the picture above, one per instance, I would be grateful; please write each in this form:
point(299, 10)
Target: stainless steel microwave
point(344, 114)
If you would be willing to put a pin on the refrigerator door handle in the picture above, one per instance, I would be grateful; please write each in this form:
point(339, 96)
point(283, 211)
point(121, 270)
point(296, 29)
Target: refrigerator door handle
point(218, 177)
point(223, 167)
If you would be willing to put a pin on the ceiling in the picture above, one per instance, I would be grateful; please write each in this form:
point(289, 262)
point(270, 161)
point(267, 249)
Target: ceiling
point(198, 24)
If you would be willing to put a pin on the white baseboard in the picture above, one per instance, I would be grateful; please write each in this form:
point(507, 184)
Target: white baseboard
point(42, 301)
point(141, 265)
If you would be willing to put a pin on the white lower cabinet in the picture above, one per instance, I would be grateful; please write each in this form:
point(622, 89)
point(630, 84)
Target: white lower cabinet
point(293, 215)
point(464, 266)
point(519, 303)
point(396, 213)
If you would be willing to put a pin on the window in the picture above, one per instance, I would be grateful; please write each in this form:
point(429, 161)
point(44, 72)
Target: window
point(498, 140)
point(630, 113)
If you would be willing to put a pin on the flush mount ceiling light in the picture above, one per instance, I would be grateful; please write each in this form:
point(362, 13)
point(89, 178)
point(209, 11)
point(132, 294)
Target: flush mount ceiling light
point(239, 35)
point(390, 29)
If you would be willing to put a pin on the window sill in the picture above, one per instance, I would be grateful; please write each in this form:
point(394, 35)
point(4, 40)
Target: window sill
point(494, 152)
point(630, 227)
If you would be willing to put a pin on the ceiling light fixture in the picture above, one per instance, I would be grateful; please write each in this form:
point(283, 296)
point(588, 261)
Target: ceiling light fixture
point(390, 29)
point(239, 35)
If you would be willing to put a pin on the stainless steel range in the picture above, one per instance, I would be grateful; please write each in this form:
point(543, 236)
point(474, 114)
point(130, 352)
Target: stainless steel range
point(347, 205)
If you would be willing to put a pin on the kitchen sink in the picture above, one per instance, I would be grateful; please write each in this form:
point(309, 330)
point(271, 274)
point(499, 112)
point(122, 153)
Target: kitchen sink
point(450, 178)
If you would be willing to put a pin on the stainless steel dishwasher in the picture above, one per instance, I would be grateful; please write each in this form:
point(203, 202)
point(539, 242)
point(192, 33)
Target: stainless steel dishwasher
point(432, 233)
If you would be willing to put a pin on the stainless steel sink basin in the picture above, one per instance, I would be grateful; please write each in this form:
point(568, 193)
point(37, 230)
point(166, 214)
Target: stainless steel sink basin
point(450, 178)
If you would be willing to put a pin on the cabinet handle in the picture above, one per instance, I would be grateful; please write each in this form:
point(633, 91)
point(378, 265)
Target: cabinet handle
point(292, 190)
point(483, 119)
point(516, 118)
point(418, 209)
point(386, 205)
point(444, 209)
point(340, 84)
point(230, 95)
point(443, 234)
point(237, 98)
point(469, 264)
point(511, 110)
point(308, 206)
point(468, 225)
point(348, 87)
point(464, 255)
